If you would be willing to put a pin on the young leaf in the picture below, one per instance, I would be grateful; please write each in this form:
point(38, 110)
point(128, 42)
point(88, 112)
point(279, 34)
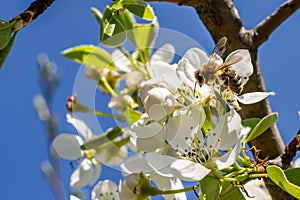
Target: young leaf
point(102, 139)
point(210, 187)
point(5, 34)
point(261, 126)
point(143, 35)
point(293, 175)
point(230, 192)
point(97, 14)
point(90, 55)
point(112, 31)
point(140, 9)
point(131, 116)
point(277, 175)
point(4, 52)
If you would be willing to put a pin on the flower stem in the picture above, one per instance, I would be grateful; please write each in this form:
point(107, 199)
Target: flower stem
point(128, 56)
point(108, 87)
point(178, 191)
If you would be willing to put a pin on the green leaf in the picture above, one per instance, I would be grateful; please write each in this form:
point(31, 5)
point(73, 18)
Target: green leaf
point(103, 139)
point(4, 52)
point(132, 115)
point(210, 187)
point(230, 192)
point(90, 55)
point(251, 123)
point(261, 126)
point(112, 31)
point(293, 175)
point(139, 8)
point(97, 14)
point(277, 175)
point(126, 19)
point(143, 35)
point(5, 34)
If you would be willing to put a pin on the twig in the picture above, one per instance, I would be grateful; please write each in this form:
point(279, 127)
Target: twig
point(32, 12)
point(264, 29)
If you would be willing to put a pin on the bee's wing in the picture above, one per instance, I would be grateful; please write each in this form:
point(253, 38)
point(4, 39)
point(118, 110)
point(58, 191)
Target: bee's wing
point(243, 67)
point(220, 47)
point(229, 62)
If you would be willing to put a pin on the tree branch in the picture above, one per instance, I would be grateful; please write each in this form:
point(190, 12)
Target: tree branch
point(32, 12)
point(269, 24)
point(221, 19)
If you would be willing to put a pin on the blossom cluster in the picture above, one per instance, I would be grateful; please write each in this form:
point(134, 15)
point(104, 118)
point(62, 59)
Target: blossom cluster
point(181, 130)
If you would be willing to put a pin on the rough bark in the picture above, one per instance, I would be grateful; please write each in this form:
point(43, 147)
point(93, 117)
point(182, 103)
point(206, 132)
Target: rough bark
point(221, 19)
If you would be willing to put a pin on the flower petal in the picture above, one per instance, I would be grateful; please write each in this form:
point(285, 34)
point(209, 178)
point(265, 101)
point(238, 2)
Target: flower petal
point(107, 189)
point(67, 146)
point(81, 127)
point(164, 54)
point(227, 131)
point(165, 73)
point(96, 174)
point(148, 137)
point(244, 68)
point(230, 157)
point(196, 57)
point(164, 183)
point(82, 175)
point(188, 170)
point(110, 154)
point(253, 97)
point(180, 132)
point(136, 164)
point(121, 61)
point(160, 163)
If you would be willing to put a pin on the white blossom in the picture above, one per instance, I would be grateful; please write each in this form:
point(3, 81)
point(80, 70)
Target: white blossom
point(132, 166)
point(106, 189)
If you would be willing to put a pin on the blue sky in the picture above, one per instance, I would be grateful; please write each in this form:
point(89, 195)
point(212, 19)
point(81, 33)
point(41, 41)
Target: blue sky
point(68, 23)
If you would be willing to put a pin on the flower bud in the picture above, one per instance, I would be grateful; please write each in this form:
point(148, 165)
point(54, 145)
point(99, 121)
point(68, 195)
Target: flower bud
point(159, 102)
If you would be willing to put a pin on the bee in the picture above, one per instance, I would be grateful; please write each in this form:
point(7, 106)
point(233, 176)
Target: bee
point(223, 74)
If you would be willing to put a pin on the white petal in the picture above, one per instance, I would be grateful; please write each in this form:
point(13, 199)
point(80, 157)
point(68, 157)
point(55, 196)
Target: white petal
point(253, 97)
point(81, 127)
point(231, 130)
point(159, 103)
point(82, 175)
point(160, 163)
point(180, 132)
point(164, 54)
point(121, 61)
point(230, 157)
point(96, 174)
point(226, 133)
point(72, 197)
point(110, 154)
point(164, 183)
point(148, 137)
point(136, 164)
point(188, 170)
point(67, 146)
point(198, 114)
point(166, 73)
point(196, 57)
point(185, 72)
point(126, 187)
point(257, 189)
point(244, 68)
point(107, 189)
